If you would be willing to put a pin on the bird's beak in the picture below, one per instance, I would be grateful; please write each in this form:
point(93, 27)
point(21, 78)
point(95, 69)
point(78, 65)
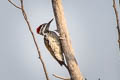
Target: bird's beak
point(50, 21)
point(48, 24)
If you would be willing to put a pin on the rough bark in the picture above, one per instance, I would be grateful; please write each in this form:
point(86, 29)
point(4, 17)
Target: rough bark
point(74, 70)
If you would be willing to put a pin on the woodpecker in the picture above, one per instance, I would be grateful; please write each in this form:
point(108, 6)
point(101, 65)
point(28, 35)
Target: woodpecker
point(52, 42)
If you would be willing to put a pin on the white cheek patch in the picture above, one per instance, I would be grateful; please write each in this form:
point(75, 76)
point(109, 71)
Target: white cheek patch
point(43, 28)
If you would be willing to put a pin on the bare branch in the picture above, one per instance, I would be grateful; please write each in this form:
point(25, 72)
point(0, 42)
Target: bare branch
point(117, 21)
point(119, 2)
point(14, 4)
point(61, 77)
point(73, 67)
point(33, 36)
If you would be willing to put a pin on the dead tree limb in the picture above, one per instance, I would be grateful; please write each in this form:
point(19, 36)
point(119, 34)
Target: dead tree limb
point(117, 21)
point(61, 77)
point(74, 70)
point(33, 36)
point(119, 2)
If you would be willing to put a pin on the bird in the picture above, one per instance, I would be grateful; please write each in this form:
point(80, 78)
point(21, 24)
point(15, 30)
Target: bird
point(52, 42)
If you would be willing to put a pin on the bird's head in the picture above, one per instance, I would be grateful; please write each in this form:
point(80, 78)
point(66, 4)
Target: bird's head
point(43, 28)
point(40, 29)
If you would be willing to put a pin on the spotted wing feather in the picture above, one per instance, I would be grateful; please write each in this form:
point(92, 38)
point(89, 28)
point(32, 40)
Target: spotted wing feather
point(53, 44)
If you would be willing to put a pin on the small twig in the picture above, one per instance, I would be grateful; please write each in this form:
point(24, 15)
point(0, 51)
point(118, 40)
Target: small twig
point(61, 77)
point(117, 21)
point(34, 39)
point(14, 4)
point(119, 2)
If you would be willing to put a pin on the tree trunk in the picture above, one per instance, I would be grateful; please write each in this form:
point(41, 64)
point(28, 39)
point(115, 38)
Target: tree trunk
point(74, 70)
